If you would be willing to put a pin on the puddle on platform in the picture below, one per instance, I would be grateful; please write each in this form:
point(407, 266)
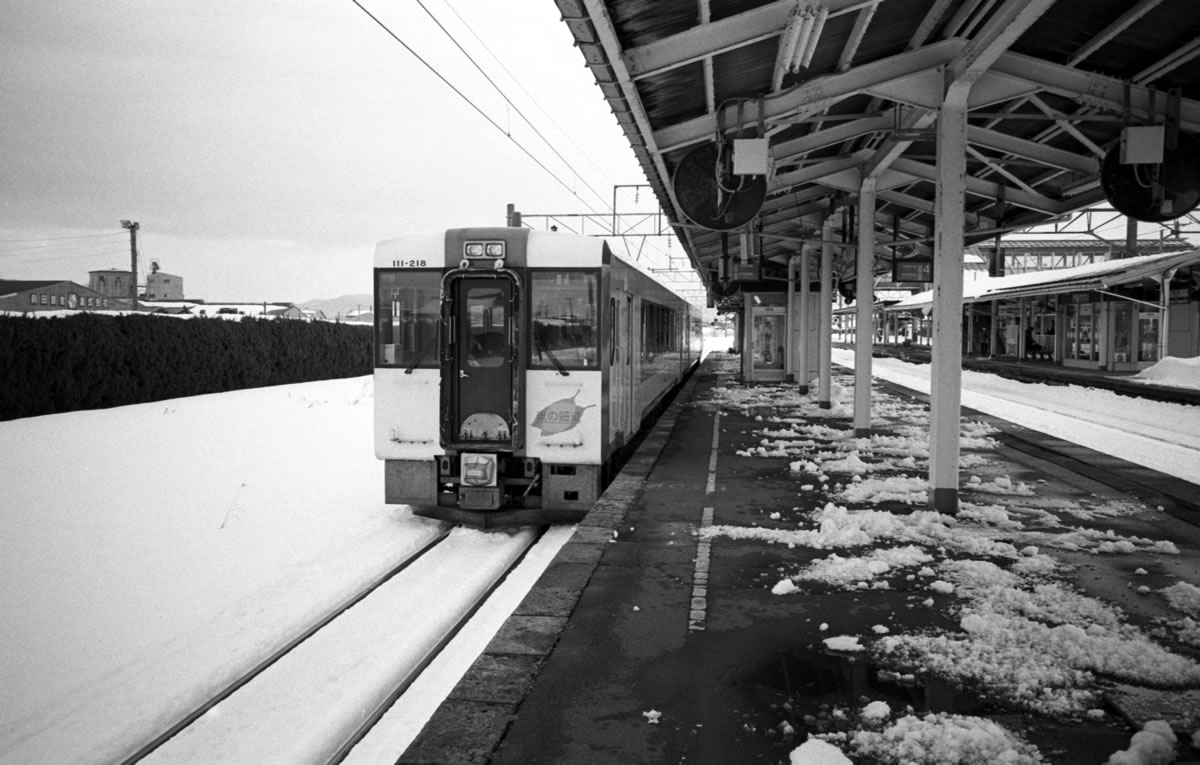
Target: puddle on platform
point(819, 691)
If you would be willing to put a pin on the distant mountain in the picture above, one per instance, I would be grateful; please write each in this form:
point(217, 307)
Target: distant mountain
point(346, 306)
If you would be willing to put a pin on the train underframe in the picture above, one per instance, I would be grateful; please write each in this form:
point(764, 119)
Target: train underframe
point(518, 491)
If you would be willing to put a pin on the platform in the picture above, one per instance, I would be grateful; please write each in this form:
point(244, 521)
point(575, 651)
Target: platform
point(650, 640)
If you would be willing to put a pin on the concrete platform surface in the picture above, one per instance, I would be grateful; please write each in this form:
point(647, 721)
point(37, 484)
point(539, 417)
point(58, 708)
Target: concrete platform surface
point(686, 621)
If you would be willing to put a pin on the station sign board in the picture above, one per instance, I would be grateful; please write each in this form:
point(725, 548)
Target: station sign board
point(912, 270)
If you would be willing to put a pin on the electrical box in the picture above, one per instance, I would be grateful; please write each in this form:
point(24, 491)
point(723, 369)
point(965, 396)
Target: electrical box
point(751, 156)
point(1139, 145)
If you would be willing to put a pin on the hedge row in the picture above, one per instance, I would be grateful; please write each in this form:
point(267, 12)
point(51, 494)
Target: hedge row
point(92, 360)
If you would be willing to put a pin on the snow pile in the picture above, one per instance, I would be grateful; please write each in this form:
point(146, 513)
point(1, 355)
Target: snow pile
point(846, 643)
point(851, 463)
point(1039, 648)
point(1173, 371)
point(846, 572)
point(817, 752)
point(944, 739)
point(1154, 744)
point(906, 489)
point(876, 711)
point(1183, 597)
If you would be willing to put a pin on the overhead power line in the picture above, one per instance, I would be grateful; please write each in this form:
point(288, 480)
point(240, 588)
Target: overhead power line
point(521, 87)
point(504, 95)
point(59, 238)
point(61, 244)
point(462, 95)
point(103, 253)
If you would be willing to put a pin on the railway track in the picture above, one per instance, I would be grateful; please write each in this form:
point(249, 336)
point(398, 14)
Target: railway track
point(1172, 494)
point(316, 697)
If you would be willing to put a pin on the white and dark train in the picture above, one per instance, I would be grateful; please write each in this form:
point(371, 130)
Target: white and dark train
point(514, 370)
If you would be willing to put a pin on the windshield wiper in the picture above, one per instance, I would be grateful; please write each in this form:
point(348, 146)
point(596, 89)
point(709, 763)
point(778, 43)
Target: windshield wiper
point(421, 357)
point(557, 364)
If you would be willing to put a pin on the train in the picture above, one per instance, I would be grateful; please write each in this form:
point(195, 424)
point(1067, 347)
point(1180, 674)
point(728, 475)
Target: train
point(514, 370)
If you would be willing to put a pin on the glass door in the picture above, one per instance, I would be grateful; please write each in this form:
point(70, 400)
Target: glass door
point(478, 367)
point(768, 340)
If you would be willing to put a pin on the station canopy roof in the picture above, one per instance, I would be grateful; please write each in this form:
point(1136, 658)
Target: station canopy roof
point(1092, 276)
point(842, 89)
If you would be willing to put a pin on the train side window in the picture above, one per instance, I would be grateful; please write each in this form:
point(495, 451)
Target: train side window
point(565, 315)
point(407, 314)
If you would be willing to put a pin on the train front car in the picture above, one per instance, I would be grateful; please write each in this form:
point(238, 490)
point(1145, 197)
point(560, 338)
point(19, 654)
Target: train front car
point(488, 379)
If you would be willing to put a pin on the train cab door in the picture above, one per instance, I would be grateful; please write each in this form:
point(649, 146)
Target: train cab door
point(620, 386)
point(481, 407)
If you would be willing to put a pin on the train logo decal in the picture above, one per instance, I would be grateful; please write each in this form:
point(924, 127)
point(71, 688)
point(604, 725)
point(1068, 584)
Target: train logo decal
point(560, 416)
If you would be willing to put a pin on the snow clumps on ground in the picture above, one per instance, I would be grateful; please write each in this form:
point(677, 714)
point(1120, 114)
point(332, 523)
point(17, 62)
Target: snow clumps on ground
point(1023, 638)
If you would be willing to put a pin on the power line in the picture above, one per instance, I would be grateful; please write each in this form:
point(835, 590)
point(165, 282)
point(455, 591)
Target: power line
point(56, 238)
point(450, 85)
point(532, 98)
point(53, 250)
point(53, 246)
point(504, 95)
point(104, 253)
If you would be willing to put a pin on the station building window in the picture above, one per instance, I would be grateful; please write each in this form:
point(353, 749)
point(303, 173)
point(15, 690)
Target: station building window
point(565, 316)
point(1123, 332)
point(1147, 335)
point(1082, 329)
point(33, 298)
point(407, 314)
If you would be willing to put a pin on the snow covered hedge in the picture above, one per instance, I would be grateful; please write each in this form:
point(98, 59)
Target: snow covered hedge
point(92, 361)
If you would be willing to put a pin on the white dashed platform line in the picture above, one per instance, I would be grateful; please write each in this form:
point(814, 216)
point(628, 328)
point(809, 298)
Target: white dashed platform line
point(699, 607)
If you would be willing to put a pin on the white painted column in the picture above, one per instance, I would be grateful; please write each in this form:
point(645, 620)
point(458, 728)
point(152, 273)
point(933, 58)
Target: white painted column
point(793, 322)
point(864, 297)
point(747, 335)
point(1164, 313)
point(946, 370)
point(825, 319)
point(802, 371)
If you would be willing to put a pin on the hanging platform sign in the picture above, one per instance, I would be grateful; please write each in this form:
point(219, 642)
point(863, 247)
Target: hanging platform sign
point(912, 270)
point(746, 272)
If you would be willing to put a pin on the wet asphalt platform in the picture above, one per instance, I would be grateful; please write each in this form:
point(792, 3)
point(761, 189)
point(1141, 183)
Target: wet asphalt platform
point(641, 643)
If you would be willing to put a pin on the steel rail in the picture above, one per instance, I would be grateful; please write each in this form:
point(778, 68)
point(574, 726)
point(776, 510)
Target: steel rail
point(199, 711)
point(387, 701)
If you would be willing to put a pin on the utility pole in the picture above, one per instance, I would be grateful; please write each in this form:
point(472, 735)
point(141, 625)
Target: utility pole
point(133, 229)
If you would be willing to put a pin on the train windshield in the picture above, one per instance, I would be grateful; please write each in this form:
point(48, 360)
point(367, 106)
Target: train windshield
point(407, 312)
point(564, 319)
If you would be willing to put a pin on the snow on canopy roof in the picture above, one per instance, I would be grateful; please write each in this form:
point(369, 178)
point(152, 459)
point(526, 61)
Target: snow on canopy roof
point(1087, 245)
point(1101, 275)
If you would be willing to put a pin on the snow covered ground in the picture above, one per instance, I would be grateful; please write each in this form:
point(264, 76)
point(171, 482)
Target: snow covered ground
point(152, 551)
point(148, 549)
point(1160, 435)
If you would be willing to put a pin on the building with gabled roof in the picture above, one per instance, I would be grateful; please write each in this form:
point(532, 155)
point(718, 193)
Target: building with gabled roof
point(37, 295)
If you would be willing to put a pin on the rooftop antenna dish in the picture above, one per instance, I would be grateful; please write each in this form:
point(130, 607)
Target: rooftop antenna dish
point(154, 266)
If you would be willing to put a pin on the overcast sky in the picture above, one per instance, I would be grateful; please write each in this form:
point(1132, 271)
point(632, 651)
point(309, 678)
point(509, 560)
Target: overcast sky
point(264, 147)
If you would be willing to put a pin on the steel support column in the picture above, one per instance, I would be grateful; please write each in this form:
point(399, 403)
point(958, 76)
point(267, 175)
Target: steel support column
point(793, 320)
point(1164, 313)
point(945, 374)
point(825, 319)
point(802, 371)
point(864, 299)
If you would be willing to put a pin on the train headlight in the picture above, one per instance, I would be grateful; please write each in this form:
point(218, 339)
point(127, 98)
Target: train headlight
point(484, 250)
point(479, 470)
